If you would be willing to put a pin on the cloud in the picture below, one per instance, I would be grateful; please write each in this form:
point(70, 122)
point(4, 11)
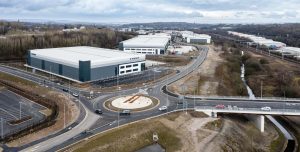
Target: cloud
point(152, 10)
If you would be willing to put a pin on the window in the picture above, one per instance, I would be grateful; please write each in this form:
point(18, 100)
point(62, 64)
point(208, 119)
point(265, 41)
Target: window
point(135, 69)
point(135, 65)
point(122, 67)
point(127, 71)
point(122, 72)
point(128, 66)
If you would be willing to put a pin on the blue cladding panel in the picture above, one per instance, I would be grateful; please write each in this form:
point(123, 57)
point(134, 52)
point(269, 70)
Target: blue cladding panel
point(103, 72)
point(84, 71)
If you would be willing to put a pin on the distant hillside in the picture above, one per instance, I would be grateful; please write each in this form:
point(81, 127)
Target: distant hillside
point(166, 25)
point(286, 33)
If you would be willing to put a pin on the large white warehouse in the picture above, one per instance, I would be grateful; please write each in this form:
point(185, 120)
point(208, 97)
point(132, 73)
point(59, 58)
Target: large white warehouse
point(83, 63)
point(191, 37)
point(146, 44)
point(259, 40)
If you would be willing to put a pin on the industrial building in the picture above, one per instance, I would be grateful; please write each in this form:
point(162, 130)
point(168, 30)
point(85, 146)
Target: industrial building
point(83, 64)
point(257, 40)
point(191, 37)
point(146, 44)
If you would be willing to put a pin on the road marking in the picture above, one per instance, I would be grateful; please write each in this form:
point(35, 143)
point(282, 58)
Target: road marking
point(9, 113)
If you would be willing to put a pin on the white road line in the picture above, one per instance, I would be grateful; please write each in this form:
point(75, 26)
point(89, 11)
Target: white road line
point(9, 113)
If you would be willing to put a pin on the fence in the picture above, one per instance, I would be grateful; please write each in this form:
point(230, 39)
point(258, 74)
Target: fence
point(46, 122)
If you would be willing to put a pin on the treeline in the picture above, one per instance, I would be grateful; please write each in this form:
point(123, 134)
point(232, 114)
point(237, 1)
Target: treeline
point(286, 33)
point(16, 46)
point(5, 27)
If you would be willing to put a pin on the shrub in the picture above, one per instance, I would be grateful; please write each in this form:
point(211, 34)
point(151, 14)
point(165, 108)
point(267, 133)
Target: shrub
point(263, 61)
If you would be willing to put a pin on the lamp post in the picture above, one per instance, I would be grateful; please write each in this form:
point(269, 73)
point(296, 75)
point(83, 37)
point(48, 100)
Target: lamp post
point(261, 85)
point(2, 128)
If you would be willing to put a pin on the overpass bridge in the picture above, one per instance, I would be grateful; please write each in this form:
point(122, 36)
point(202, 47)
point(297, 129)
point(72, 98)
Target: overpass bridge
point(256, 114)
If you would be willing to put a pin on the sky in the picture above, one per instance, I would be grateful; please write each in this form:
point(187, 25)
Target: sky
point(141, 11)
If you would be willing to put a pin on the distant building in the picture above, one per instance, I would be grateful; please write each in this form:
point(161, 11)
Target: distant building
point(82, 63)
point(146, 44)
point(290, 50)
point(125, 30)
point(257, 40)
point(191, 37)
point(141, 32)
point(74, 29)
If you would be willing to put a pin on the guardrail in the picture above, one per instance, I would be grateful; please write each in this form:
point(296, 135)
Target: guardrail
point(249, 110)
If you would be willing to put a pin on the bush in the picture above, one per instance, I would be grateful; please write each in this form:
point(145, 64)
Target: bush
point(253, 64)
point(263, 61)
point(245, 57)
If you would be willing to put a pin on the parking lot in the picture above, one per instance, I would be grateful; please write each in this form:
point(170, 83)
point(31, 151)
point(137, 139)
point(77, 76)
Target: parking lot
point(14, 107)
point(144, 76)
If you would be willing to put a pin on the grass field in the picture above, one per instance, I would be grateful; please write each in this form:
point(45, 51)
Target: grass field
point(132, 137)
point(4, 76)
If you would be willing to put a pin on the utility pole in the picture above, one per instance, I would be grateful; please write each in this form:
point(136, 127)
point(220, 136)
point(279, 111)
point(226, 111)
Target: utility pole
point(20, 111)
point(194, 99)
point(64, 115)
point(261, 89)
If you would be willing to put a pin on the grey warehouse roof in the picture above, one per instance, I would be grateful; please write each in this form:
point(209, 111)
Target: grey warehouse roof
point(146, 41)
point(98, 56)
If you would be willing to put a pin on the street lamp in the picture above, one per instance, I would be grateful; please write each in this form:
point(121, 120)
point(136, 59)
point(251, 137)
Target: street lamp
point(20, 108)
point(261, 89)
point(2, 128)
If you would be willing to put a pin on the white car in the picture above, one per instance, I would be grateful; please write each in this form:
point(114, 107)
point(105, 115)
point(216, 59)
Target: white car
point(75, 95)
point(266, 108)
point(163, 108)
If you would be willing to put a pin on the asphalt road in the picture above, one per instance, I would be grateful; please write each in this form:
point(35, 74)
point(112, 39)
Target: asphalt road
point(96, 124)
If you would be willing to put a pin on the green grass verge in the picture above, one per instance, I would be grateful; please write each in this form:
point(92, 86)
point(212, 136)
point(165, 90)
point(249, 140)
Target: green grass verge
point(278, 142)
point(8, 77)
point(131, 138)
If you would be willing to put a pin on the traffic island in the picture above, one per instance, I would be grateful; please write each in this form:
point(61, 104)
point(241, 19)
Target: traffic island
point(135, 103)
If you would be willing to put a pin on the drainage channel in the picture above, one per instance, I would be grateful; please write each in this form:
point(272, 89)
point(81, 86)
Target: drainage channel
point(291, 141)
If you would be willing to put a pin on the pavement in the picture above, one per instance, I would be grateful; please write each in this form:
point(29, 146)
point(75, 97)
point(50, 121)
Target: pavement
point(94, 124)
point(14, 107)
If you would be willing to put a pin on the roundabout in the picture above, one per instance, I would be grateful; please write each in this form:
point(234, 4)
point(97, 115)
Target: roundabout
point(135, 103)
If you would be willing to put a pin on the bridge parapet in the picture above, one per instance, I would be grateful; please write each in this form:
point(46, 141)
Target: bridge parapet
point(257, 111)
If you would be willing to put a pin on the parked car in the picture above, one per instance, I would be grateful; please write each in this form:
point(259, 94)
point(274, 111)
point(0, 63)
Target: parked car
point(98, 111)
point(125, 113)
point(266, 108)
point(163, 108)
point(65, 90)
point(220, 106)
point(75, 95)
point(235, 108)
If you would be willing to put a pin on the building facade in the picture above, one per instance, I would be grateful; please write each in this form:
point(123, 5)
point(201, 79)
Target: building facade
point(146, 44)
point(84, 64)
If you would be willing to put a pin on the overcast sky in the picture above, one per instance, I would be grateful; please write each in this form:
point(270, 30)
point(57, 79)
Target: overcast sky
point(135, 11)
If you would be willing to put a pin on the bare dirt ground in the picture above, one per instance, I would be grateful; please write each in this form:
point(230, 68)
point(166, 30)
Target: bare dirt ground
point(240, 134)
point(71, 114)
point(280, 78)
point(204, 76)
point(185, 132)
